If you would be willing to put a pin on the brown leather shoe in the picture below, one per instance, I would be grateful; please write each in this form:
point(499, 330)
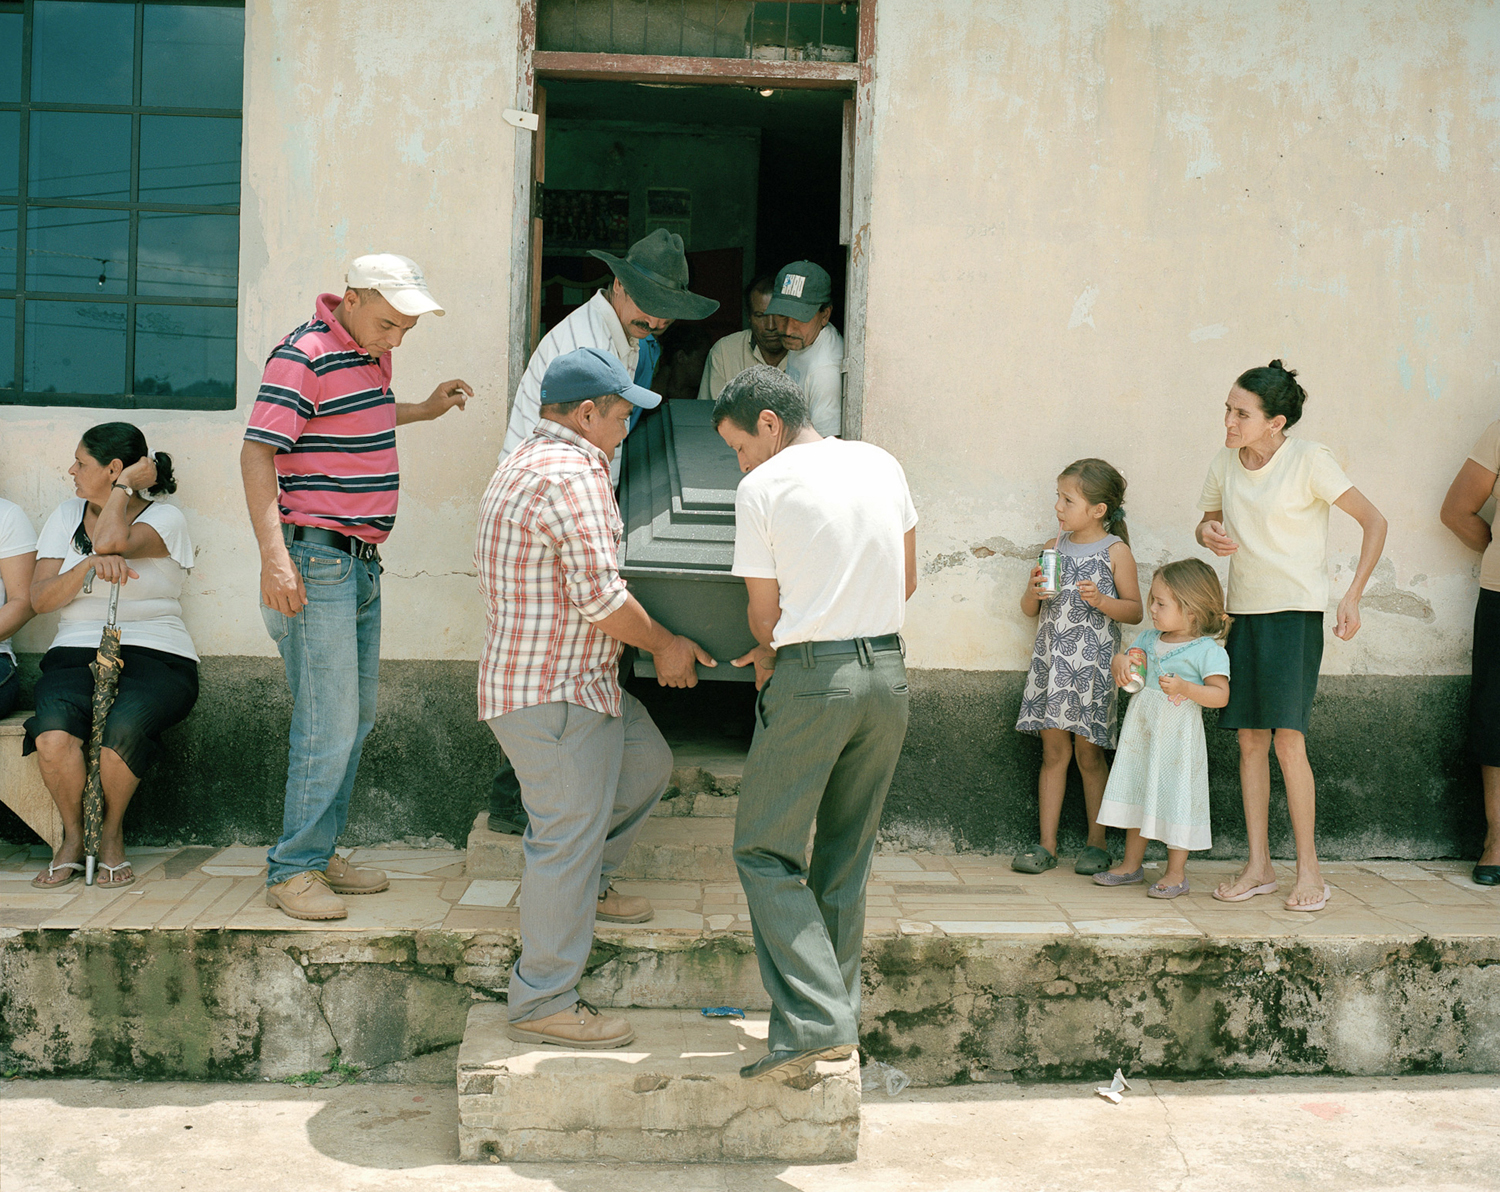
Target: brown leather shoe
point(343, 878)
point(306, 896)
point(615, 907)
point(580, 1025)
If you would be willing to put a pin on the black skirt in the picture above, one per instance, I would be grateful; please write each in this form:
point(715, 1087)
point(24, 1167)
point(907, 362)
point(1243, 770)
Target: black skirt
point(157, 690)
point(1484, 694)
point(1273, 670)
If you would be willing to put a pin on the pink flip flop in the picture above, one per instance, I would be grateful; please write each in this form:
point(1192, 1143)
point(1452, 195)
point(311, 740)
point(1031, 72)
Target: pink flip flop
point(1311, 906)
point(1268, 888)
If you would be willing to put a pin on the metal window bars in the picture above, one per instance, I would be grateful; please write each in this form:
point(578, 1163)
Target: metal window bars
point(764, 30)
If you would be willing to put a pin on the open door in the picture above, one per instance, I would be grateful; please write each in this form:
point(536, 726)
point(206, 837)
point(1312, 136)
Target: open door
point(538, 187)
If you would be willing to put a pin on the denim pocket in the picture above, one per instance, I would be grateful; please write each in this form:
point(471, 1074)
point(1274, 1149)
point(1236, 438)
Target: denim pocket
point(278, 625)
point(317, 569)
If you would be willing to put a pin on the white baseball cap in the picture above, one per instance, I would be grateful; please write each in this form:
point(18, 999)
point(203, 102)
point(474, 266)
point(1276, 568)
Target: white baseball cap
point(397, 279)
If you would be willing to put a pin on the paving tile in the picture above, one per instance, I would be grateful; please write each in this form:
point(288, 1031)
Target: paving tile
point(1007, 927)
point(220, 912)
point(452, 891)
point(929, 878)
point(489, 892)
point(217, 870)
point(1154, 926)
point(1402, 870)
point(915, 927)
point(684, 891)
point(241, 854)
point(184, 861)
point(472, 918)
point(189, 908)
point(424, 865)
point(137, 912)
point(29, 897)
point(888, 863)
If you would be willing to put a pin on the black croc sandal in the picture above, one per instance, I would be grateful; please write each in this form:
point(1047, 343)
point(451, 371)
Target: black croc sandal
point(1092, 860)
point(1036, 859)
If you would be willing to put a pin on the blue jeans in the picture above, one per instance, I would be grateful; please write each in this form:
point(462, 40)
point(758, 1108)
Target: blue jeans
point(332, 654)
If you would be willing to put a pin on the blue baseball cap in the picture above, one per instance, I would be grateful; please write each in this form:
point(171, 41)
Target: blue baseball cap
point(592, 373)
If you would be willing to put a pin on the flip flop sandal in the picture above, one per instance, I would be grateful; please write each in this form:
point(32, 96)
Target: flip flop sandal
point(1120, 879)
point(1268, 888)
point(1311, 906)
point(1036, 859)
point(1161, 891)
point(1091, 860)
point(51, 869)
point(112, 884)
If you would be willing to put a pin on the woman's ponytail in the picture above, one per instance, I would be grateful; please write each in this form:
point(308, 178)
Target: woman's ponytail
point(165, 481)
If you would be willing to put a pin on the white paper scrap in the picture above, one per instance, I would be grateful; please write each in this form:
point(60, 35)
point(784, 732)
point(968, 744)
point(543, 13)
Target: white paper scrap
point(1116, 1086)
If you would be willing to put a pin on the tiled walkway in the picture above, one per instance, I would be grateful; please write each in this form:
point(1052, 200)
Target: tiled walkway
point(213, 888)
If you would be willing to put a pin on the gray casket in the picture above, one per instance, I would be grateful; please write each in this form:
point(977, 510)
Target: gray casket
point(677, 483)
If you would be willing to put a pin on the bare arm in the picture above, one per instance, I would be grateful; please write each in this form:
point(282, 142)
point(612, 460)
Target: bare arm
point(1213, 692)
point(1125, 606)
point(280, 581)
point(910, 542)
point(1358, 506)
point(114, 532)
point(16, 573)
point(763, 613)
point(1031, 599)
point(443, 398)
point(1211, 534)
point(52, 588)
point(1470, 489)
point(672, 654)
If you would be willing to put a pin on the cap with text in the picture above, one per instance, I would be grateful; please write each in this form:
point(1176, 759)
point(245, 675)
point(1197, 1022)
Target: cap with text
point(395, 278)
point(801, 290)
point(592, 373)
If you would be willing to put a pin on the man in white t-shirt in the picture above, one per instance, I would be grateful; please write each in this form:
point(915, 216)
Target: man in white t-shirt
point(825, 538)
point(801, 304)
point(17, 560)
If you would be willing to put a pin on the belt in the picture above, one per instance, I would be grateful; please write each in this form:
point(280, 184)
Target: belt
point(865, 647)
point(357, 547)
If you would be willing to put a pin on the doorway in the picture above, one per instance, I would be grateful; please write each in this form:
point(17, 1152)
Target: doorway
point(752, 179)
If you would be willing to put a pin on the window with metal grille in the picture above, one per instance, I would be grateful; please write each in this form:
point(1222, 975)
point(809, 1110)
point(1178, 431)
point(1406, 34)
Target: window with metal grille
point(768, 30)
point(119, 202)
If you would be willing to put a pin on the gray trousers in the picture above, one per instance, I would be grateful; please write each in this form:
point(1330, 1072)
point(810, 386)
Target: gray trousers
point(827, 736)
point(588, 782)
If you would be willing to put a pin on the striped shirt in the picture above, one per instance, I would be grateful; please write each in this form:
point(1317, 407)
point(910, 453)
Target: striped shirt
point(328, 410)
point(592, 325)
point(547, 555)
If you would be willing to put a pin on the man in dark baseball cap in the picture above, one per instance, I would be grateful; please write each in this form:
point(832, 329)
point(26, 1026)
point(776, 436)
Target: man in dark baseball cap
point(801, 303)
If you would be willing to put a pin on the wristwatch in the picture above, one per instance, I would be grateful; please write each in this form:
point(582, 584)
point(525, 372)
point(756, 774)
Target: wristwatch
point(129, 492)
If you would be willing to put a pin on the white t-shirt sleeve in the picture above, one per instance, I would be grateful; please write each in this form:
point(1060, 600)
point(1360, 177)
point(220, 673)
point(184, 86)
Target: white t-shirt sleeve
point(753, 558)
point(909, 511)
point(1212, 496)
point(16, 535)
point(1325, 478)
point(56, 538)
point(171, 525)
point(825, 399)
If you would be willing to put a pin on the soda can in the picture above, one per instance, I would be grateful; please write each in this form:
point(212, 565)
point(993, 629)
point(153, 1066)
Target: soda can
point(1137, 670)
point(1051, 564)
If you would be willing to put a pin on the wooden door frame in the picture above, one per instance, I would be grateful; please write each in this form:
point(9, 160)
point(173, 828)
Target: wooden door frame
point(739, 72)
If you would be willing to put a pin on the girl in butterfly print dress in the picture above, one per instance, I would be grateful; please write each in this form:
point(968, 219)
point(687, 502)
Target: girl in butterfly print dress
point(1070, 696)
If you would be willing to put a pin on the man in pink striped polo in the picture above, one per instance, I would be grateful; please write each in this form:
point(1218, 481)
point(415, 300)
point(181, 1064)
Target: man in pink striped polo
point(322, 483)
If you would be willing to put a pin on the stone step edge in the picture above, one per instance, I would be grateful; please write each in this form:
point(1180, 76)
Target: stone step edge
point(674, 1094)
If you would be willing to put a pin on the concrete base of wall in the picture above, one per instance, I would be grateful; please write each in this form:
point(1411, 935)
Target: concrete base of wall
point(1388, 753)
point(240, 1004)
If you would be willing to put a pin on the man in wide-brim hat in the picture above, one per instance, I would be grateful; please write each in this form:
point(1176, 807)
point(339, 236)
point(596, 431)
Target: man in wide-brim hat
point(648, 294)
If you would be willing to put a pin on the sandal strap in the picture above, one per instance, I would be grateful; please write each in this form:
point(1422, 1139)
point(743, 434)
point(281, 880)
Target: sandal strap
point(112, 869)
point(51, 868)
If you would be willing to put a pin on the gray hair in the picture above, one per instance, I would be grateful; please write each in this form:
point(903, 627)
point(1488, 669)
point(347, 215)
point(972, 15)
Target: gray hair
point(761, 387)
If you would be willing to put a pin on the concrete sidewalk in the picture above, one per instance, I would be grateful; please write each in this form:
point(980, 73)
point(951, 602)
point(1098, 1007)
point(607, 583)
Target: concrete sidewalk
point(1217, 1136)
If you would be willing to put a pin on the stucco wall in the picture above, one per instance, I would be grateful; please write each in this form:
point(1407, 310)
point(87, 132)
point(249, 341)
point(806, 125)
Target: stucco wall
point(1089, 216)
point(368, 127)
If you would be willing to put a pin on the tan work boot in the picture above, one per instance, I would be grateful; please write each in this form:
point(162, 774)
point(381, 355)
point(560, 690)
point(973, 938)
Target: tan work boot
point(615, 907)
point(580, 1025)
point(306, 896)
point(343, 878)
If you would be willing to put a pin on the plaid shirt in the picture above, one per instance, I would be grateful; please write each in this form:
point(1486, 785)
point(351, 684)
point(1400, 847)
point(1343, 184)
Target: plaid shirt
point(547, 554)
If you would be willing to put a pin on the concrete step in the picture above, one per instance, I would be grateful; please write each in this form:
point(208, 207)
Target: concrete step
point(685, 848)
point(673, 1095)
point(21, 785)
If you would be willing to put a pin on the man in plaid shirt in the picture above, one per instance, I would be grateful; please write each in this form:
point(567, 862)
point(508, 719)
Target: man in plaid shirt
point(590, 761)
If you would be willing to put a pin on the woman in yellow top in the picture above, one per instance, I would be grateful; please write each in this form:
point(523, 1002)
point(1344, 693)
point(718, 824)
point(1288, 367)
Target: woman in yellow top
point(1265, 507)
point(1477, 481)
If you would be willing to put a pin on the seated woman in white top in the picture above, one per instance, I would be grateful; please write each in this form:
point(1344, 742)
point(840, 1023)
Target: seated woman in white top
point(17, 560)
point(110, 533)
